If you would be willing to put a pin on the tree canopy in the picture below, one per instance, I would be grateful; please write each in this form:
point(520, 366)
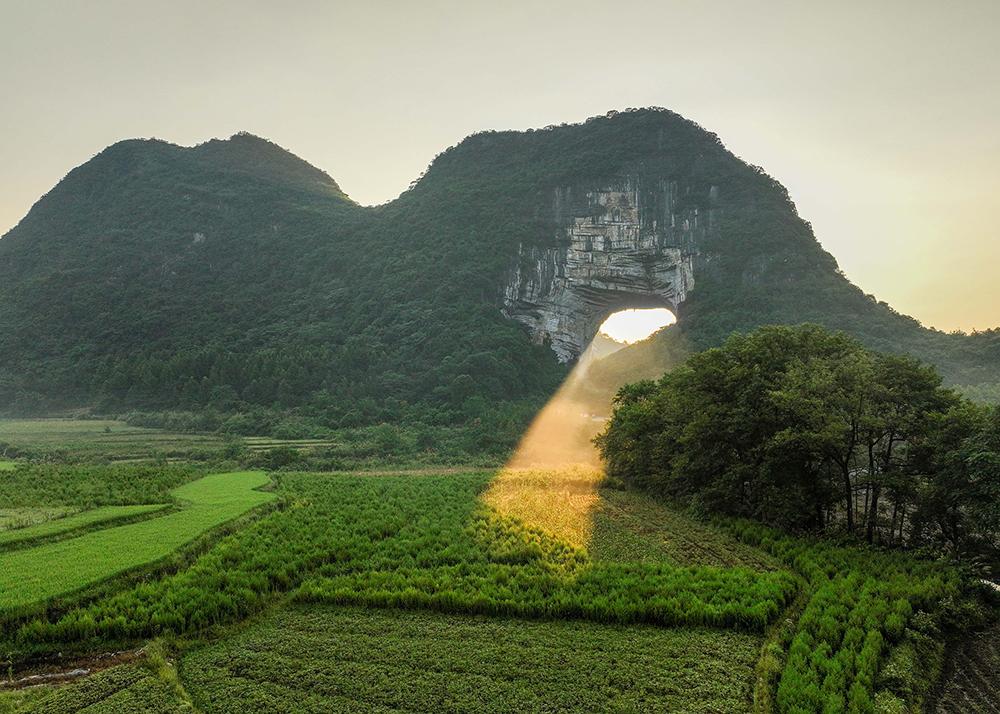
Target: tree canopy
point(807, 429)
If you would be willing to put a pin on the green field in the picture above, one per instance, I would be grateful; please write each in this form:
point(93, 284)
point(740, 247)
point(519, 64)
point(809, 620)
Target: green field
point(26, 516)
point(7, 465)
point(35, 574)
point(631, 526)
point(321, 659)
point(372, 591)
point(405, 543)
point(338, 660)
point(118, 690)
point(93, 517)
point(102, 438)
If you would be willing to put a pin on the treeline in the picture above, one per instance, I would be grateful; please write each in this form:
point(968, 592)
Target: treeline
point(806, 429)
point(486, 437)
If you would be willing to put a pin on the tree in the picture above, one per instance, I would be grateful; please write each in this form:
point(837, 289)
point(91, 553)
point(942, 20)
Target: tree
point(791, 425)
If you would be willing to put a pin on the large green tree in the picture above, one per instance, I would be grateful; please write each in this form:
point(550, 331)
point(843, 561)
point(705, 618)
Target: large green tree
point(806, 428)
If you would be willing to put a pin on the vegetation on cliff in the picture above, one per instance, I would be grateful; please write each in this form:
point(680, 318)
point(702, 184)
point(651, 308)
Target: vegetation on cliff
point(233, 277)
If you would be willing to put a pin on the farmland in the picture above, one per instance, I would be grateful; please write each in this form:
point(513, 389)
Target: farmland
point(28, 516)
point(35, 574)
point(166, 440)
point(57, 526)
point(342, 659)
point(424, 556)
point(101, 439)
point(370, 590)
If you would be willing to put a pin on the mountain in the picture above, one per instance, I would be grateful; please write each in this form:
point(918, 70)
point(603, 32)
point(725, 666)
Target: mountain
point(234, 275)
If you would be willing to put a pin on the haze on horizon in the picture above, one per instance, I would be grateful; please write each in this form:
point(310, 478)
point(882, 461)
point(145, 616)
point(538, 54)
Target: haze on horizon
point(881, 122)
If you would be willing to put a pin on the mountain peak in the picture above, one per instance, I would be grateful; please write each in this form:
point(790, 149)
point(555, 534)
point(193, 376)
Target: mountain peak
point(248, 153)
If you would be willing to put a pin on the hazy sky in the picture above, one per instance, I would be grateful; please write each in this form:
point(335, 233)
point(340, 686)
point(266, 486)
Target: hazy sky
point(633, 325)
point(881, 118)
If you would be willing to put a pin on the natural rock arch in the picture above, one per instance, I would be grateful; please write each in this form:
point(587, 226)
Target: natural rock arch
point(623, 245)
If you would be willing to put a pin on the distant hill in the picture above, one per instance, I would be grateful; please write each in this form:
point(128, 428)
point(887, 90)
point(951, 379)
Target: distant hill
point(234, 275)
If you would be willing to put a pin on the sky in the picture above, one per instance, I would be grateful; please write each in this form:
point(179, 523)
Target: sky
point(632, 325)
point(879, 117)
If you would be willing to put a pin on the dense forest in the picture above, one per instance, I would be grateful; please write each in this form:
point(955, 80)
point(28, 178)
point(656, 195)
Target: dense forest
point(808, 430)
point(236, 284)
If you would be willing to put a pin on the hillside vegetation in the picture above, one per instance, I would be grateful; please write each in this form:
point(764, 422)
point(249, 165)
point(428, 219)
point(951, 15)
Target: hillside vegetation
point(238, 287)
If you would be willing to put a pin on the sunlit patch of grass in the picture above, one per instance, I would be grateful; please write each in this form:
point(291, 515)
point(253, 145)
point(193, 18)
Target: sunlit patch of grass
point(558, 501)
point(7, 465)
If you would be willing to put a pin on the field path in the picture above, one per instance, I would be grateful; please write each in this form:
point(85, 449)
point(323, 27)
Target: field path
point(36, 574)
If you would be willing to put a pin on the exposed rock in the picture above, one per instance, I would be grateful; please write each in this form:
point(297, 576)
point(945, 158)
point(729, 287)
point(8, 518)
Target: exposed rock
point(620, 246)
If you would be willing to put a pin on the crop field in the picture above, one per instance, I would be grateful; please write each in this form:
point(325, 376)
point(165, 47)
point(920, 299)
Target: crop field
point(88, 439)
point(345, 659)
point(35, 574)
point(59, 525)
point(125, 688)
point(368, 591)
point(970, 683)
point(263, 443)
point(558, 502)
point(414, 542)
point(70, 488)
point(12, 518)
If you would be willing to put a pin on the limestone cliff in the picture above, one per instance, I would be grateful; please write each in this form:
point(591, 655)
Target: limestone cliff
point(620, 245)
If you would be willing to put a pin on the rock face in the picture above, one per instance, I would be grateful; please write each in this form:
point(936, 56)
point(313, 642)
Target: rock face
point(619, 246)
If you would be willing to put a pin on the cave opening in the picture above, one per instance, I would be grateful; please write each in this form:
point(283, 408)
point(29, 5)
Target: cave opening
point(563, 431)
point(636, 324)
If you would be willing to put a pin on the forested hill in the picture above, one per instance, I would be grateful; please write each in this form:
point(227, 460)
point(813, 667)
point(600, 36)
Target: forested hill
point(234, 274)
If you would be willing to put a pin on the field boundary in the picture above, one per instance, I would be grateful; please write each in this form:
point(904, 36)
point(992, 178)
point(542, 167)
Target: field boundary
point(136, 513)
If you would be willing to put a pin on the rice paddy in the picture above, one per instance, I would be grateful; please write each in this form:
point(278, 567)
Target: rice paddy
point(96, 516)
point(88, 439)
point(528, 589)
point(36, 574)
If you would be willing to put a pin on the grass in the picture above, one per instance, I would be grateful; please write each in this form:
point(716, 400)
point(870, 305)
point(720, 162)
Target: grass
point(93, 517)
point(861, 608)
point(334, 659)
point(36, 574)
point(14, 518)
point(89, 439)
point(414, 542)
point(7, 465)
point(79, 487)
